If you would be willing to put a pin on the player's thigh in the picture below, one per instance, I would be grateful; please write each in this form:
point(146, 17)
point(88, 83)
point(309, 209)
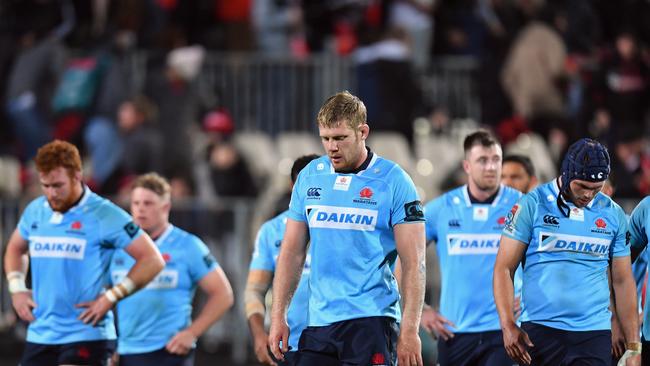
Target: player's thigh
point(157, 358)
point(36, 354)
point(459, 350)
point(591, 348)
point(368, 341)
point(549, 348)
point(95, 353)
point(315, 347)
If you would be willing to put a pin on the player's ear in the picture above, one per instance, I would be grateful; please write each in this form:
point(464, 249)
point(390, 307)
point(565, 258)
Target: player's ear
point(365, 130)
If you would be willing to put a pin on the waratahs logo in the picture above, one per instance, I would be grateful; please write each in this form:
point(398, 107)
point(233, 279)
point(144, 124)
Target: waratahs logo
point(366, 193)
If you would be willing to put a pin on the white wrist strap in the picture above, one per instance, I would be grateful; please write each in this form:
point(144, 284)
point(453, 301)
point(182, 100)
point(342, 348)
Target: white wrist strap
point(120, 291)
point(16, 280)
point(628, 354)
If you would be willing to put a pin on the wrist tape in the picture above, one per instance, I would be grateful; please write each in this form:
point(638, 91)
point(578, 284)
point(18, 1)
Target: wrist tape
point(120, 291)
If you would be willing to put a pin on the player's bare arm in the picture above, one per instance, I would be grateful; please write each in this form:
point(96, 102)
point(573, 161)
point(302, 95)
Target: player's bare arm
point(626, 304)
point(148, 263)
point(515, 340)
point(220, 298)
point(257, 285)
point(16, 264)
point(288, 270)
point(410, 242)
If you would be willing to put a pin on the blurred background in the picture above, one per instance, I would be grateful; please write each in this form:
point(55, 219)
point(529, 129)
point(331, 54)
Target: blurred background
point(220, 96)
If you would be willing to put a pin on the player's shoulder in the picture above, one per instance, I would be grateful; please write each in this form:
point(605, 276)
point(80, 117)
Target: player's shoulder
point(36, 205)
point(320, 165)
point(183, 235)
point(605, 202)
point(381, 166)
point(643, 206)
point(510, 192)
point(276, 223)
point(99, 206)
point(455, 196)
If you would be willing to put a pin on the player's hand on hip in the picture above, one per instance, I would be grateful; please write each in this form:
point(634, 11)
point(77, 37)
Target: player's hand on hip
point(181, 343)
point(436, 324)
point(516, 343)
point(279, 332)
point(409, 349)
point(261, 341)
point(23, 304)
point(95, 310)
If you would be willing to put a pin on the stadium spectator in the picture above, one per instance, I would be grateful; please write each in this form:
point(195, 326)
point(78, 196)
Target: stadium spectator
point(155, 325)
point(35, 71)
point(70, 233)
point(260, 275)
point(569, 235)
point(360, 211)
point(518, 172)
point(467, 323)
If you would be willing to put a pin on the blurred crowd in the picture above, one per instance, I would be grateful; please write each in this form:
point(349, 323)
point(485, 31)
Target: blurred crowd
point(557, 69)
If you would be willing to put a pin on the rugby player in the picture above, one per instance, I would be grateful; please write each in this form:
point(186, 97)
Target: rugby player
point(155, 328)
point(359, 211)
point(567, 234)
point(67, 236)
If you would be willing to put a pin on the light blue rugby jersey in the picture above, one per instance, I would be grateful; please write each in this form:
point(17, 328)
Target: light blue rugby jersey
point(639, 231)
point(149, 318)
point(69, 258)
point(467, 236)
point(351, 219)
point(565, 284)
point(265, 256)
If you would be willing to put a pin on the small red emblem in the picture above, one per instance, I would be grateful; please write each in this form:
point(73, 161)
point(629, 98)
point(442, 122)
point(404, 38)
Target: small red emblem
point(76, 225)
point(601, 224)
point(365, 193)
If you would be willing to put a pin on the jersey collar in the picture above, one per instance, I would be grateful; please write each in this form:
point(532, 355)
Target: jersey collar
point(82, 200)
point(164, 235)
point(494, 202)
point(556, 190)
point(369, 162)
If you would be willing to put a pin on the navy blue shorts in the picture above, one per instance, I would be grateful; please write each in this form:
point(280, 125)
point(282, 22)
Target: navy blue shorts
point(480, 349)
point(556, 347)
point(91, 353)
point(363, 341)
point(157, 358)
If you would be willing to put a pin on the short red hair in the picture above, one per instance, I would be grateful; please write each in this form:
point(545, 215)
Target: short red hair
point(58, 154)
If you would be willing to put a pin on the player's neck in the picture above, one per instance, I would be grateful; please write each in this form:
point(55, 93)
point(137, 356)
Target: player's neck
point(478, 195)
point(158, 231)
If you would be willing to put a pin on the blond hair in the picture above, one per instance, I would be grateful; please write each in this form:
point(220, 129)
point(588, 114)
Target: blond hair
point(155, 183)
point(341, 107)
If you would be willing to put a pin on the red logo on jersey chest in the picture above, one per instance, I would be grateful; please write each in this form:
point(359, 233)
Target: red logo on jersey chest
point(365, 193)
point(76, 225)
point(501, 220)
point(601, 224)
point(166, 257)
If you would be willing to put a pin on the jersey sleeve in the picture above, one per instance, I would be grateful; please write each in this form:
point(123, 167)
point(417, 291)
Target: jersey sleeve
point(406, 207)
point(431, 214)
point(263, 255)
point(637, 226)
point(201, 261)
point(621, 245)
point(116, 226)
point(297, 203)
point(519, 222)
point(26, 219)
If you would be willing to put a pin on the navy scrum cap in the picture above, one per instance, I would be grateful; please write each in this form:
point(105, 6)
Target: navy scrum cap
point(586, 160)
